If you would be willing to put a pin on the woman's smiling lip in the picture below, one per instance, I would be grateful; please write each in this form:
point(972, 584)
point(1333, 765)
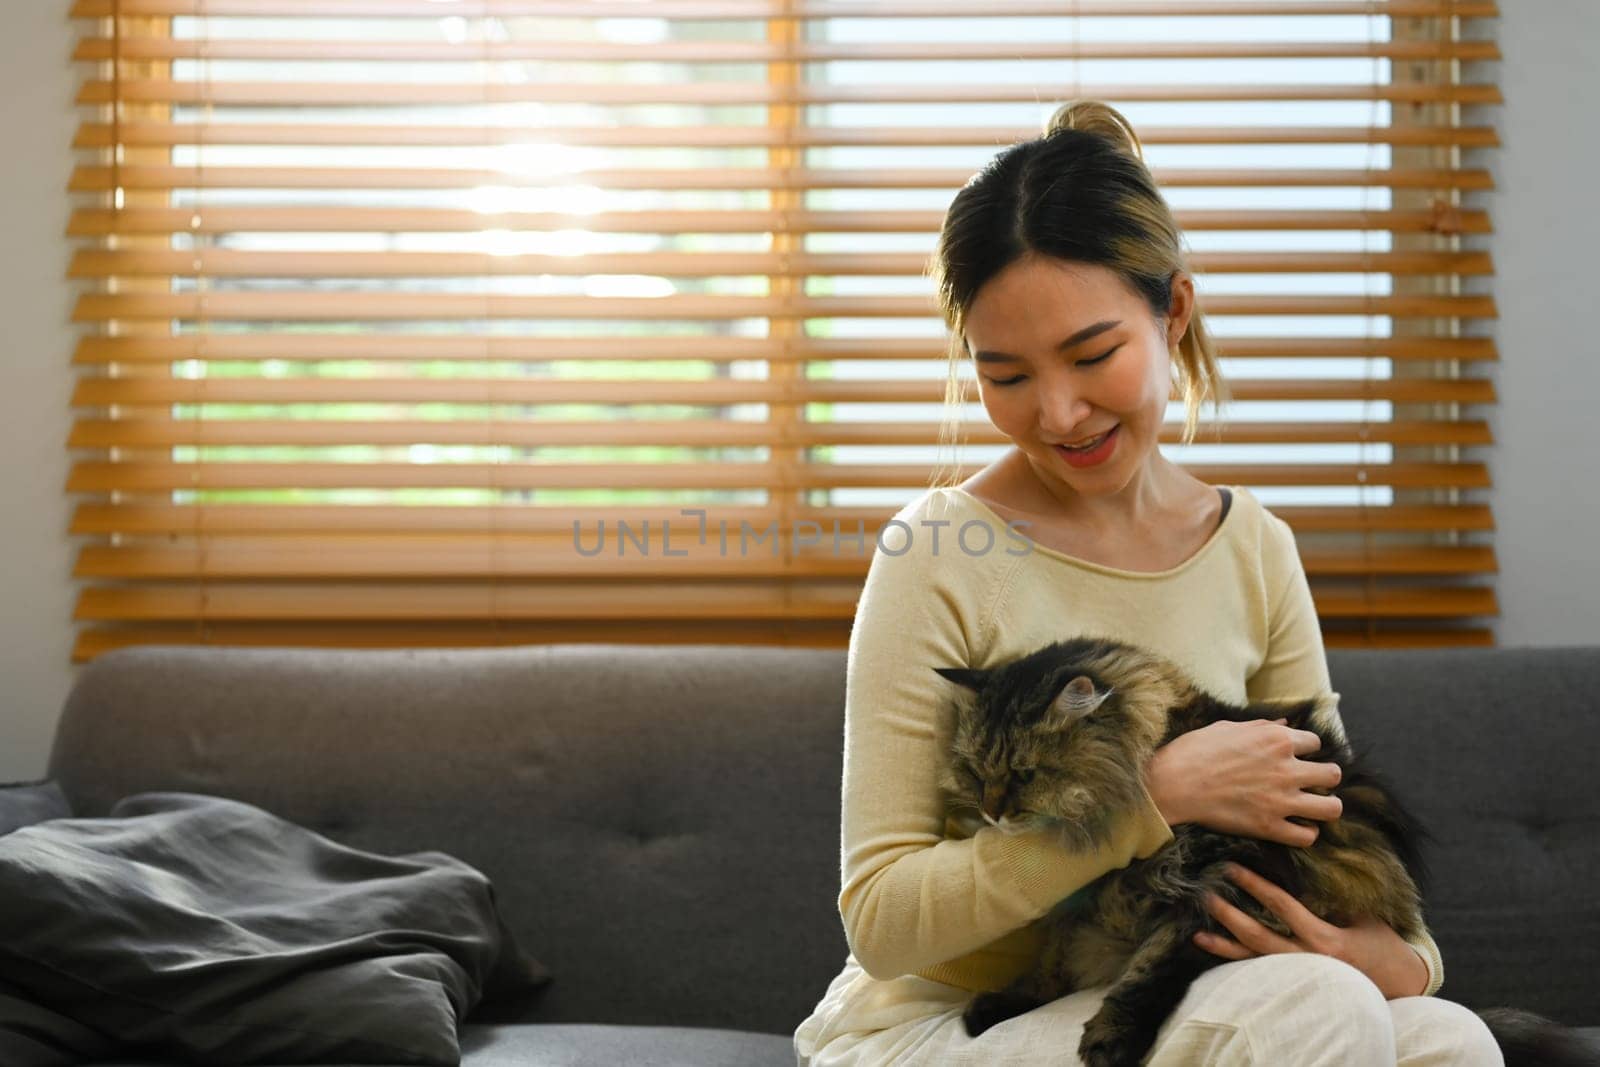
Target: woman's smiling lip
point(1093, 455)
point(1086, 440)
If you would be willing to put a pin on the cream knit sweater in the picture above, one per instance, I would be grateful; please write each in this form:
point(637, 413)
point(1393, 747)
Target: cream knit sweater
point(953, 586)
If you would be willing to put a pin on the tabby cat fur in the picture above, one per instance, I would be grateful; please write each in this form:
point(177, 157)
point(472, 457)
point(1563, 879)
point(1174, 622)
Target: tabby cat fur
point(1060, 737)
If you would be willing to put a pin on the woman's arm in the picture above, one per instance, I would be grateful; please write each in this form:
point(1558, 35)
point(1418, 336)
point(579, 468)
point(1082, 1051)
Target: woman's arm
point(1296, 666)
point(909, 898)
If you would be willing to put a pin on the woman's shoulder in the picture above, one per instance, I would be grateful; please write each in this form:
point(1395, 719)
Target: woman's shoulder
point(933, 502)
point(1265, 536)
point(944, 530)
point(933, 576)
point(1262, 523)
point(935, 506)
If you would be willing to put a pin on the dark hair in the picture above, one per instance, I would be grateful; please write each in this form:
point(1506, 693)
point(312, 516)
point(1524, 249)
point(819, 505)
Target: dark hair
point(1082, 193)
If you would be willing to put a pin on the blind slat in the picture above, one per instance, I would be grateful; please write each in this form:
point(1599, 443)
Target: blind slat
point(94, 641)
point(166, 433)
point(733, 598)
point(147, 133)
point(95, 222)
point(777, 9)
point(170, 519)
point(393, 346)
point(766, 52)
point(222, 263)
point(346, 94)
point(400, 557)
point(665, 598)
point(104, 179)
point(324, 306)
point(150, 476)
point(131, 392)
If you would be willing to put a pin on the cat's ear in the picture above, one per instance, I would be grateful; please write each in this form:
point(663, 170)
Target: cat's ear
point(965, 676)
point(1077, 698)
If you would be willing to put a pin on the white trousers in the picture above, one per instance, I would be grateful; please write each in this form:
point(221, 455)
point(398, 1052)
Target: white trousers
point(1296, 1009)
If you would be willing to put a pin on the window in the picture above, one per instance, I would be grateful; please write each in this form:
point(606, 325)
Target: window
point(509, 321)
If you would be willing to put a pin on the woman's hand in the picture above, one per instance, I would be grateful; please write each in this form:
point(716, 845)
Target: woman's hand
point(1244, 778)
point(1370, 946)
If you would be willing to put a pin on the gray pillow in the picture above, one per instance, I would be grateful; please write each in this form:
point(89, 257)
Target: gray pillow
point(208, 931)
point(25, 803)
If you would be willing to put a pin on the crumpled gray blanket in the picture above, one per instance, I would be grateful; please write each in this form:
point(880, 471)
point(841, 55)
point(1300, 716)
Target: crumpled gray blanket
point(203, 930)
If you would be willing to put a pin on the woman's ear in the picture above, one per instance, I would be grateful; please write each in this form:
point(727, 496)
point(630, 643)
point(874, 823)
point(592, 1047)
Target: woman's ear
point(1182, 307)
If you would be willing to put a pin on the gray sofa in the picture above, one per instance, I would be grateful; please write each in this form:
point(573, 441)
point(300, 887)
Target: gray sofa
point(662, 823)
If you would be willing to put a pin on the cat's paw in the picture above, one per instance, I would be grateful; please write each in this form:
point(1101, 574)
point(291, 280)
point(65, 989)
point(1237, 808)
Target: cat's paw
point(990, 1009)
point(1110, 1044)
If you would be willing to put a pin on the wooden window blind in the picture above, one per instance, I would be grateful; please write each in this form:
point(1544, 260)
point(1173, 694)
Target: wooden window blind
point(394, 310)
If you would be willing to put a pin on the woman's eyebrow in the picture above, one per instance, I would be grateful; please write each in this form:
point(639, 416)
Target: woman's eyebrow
point(1076, 339)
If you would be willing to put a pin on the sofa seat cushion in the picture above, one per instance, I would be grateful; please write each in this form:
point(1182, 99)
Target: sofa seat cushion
point(585, 1044)
point(591, 1045)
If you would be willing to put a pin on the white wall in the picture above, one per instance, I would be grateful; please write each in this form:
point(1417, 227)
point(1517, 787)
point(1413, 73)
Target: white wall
point(36, 593)
point(1546, 250)
point(1545, 246)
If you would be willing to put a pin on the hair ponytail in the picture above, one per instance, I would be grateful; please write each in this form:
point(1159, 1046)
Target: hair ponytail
point(1094, 116)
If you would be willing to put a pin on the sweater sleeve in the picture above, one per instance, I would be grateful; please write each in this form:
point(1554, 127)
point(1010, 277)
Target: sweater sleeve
point(910, 899)
point(1295, 665)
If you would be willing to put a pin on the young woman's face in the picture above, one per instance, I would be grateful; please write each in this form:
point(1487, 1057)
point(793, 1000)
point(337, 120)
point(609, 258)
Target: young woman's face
point(1067, 353)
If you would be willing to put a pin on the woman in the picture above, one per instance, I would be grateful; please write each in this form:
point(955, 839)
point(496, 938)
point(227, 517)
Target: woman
point(1062, 275)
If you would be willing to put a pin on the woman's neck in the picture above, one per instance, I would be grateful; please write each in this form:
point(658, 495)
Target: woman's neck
point(1158, 491)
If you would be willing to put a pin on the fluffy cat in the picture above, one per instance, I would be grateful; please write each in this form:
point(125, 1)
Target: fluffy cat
point(1060, 738)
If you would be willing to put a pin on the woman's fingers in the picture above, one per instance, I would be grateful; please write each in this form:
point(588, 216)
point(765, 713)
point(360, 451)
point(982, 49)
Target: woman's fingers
point(1305, 742)
point(1246, 930)
point(1310, 805)
point(1308, 929)
point(1276, 899)
point(1288, 832)
point(1319, 775)
point(1316, 806)
point(1225, 947)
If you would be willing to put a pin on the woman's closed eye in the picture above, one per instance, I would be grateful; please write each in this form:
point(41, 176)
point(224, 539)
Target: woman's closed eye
point(1082, 363)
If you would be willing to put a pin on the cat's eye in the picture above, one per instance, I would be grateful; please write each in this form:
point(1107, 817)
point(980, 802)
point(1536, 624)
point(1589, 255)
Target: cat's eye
point(1024, 777)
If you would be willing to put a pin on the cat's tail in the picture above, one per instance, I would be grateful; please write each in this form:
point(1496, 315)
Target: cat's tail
point(1529, 1040)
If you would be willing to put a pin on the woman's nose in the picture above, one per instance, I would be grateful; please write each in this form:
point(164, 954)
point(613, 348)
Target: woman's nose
point(1062, 411)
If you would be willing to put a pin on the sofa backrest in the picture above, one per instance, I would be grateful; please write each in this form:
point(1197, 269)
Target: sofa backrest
point(1495, 749)
point(662, 823)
